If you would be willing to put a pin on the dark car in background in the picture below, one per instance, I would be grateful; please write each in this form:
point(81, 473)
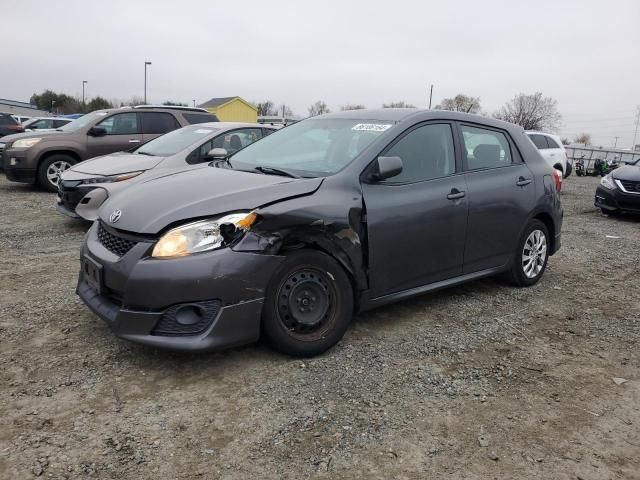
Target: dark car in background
point(42, 156)
point(619, 191)
point(330, 216)
point(9, 125)
point(84, 187)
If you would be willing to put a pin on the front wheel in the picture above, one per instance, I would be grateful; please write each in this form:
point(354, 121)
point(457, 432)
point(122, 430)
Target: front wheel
point(50, 170)
point(530, 259)
point(308, 305)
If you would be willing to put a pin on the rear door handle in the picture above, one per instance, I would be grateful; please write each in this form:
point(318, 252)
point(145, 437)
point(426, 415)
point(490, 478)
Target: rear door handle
point(455, 194)
point(134, 141)
point(523, 181)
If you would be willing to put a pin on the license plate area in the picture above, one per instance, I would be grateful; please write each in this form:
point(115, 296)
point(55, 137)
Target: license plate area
point(92, 271)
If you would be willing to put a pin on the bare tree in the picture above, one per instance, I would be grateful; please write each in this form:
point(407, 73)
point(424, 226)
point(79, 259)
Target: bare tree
point(565, 141)
point(318, 108)
point(584, 138)
point(265, 108)
point(461, 103)
point(132, 102)
point(284, 111)
point(400, 104)
point(171, 103)
point(531, 112)
point(352, 106)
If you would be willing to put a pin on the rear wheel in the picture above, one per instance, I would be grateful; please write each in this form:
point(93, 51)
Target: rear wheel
point(51, 168)
point(530, 259)
point(568, 171)
point(309, 304)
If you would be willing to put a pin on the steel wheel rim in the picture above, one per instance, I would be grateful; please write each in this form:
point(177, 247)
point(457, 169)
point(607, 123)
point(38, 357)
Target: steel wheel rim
point(534, 254)
point(306, 304)
point(55, 170)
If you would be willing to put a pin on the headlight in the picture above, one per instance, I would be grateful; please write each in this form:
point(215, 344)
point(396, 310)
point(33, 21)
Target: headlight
point(203, 235)
point(26, 142)
point(607, 182)
point(111, 178)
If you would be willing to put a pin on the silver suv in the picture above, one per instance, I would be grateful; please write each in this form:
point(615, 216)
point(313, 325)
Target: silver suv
point(40, 157)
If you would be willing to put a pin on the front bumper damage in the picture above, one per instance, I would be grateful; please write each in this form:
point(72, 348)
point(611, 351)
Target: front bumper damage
point(203, 302)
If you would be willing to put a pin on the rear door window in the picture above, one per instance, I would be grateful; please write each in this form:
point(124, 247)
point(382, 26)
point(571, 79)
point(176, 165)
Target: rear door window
point(539, 141)
point(485, 148)
point(158, 122)
point(7, 120)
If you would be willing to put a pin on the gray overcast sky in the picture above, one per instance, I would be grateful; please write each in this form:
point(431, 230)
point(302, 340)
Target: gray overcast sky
point(585, 54)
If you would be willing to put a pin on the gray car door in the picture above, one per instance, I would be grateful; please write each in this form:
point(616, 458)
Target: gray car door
point(123, 133)
point(501, 194)
point(416, 221)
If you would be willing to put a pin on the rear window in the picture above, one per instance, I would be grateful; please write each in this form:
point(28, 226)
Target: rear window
point(7, 120)
point(539, 141)
point(199, 117)
point(552, 143)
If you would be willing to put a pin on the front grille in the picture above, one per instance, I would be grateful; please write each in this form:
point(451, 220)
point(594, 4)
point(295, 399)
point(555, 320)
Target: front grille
point(631, 186)
point(169, 326)
point(70, 194)
point(114, 243)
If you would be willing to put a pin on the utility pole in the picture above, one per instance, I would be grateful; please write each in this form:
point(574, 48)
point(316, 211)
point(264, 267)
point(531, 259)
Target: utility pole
point(194, 103)
point(633, 145)
point(430, 96)
point(616, 142)
point(145, 81)
point(84, 82)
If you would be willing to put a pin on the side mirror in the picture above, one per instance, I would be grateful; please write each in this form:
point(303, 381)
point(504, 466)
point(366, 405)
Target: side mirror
point(217, 154)
point(387, 167)
point(97, 131)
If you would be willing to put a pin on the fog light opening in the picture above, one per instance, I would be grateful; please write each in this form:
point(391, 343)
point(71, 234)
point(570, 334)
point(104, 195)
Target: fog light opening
point(189, 314)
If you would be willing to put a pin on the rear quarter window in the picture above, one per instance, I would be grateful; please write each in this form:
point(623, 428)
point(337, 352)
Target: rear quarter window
point(194, 118)
point(7, 120)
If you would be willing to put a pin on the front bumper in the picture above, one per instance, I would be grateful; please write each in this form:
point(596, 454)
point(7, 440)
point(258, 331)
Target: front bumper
point(70, 195)
point(616, 200)
point(16, 168)
point(142, 298)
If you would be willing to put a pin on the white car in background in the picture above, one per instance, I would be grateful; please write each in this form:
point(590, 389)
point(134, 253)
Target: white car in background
point(45, 123)
point(552, 150)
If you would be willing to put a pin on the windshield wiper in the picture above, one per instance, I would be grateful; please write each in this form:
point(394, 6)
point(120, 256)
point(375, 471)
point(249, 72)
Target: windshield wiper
point(275, 171)
point(145, 153)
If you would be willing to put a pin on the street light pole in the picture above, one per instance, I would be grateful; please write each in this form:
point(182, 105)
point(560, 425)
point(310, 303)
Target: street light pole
point(430, 96)
point(145, 81)
point(84, 82)
point(194, 103)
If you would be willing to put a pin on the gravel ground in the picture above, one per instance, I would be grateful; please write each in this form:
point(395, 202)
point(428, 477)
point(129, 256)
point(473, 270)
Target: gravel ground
point(475, 382)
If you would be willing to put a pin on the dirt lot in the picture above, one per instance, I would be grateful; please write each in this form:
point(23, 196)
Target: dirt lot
point(480, 381)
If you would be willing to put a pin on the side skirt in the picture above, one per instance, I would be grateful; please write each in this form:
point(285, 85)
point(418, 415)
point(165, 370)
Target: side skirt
point(368, 303)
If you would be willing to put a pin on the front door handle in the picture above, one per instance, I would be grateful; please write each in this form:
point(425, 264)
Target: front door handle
point(134, 141)
point(523, 181)
point(455, 194)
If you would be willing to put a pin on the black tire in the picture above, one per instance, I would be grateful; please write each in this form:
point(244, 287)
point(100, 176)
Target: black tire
point(569, 170)
point(60, 162)
point(308, 304)
point(517, 274)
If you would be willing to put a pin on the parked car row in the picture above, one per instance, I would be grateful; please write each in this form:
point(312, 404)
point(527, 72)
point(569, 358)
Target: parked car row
point(40, 157)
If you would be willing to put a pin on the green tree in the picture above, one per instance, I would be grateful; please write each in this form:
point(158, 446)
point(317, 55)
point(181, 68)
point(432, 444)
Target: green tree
point(98, 103)
point(56, 102)
point(175, 104)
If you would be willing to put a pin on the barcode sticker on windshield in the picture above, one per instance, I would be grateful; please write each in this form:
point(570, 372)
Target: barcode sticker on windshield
point(371, 127)
point(203, 130)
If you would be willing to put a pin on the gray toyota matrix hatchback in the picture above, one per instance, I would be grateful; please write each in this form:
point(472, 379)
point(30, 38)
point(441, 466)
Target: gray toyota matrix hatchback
point(327, 217)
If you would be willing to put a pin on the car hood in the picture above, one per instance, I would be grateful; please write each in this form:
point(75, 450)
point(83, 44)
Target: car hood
point(117, 163)
point(150, 206)
point(627, 172)
point(49, 135)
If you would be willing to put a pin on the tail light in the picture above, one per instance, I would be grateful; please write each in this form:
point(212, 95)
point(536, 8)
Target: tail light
point(557, 177)
point(16, 128)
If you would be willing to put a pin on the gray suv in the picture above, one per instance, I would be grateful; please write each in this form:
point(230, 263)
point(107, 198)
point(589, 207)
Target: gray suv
point(333, 215)
point(42, 156)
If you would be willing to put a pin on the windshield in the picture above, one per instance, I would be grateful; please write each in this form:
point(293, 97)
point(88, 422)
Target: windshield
point(313, 147)
point(175, 141)
point(81, 122)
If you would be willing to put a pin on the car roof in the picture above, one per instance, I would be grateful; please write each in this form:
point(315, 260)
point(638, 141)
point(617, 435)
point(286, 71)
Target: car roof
point(230, 125)
point(402, 114)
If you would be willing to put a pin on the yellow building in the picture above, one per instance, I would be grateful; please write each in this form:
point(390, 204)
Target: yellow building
point(231, 109)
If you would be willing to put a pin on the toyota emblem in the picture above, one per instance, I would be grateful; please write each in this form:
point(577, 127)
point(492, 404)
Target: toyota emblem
point(115, 215)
